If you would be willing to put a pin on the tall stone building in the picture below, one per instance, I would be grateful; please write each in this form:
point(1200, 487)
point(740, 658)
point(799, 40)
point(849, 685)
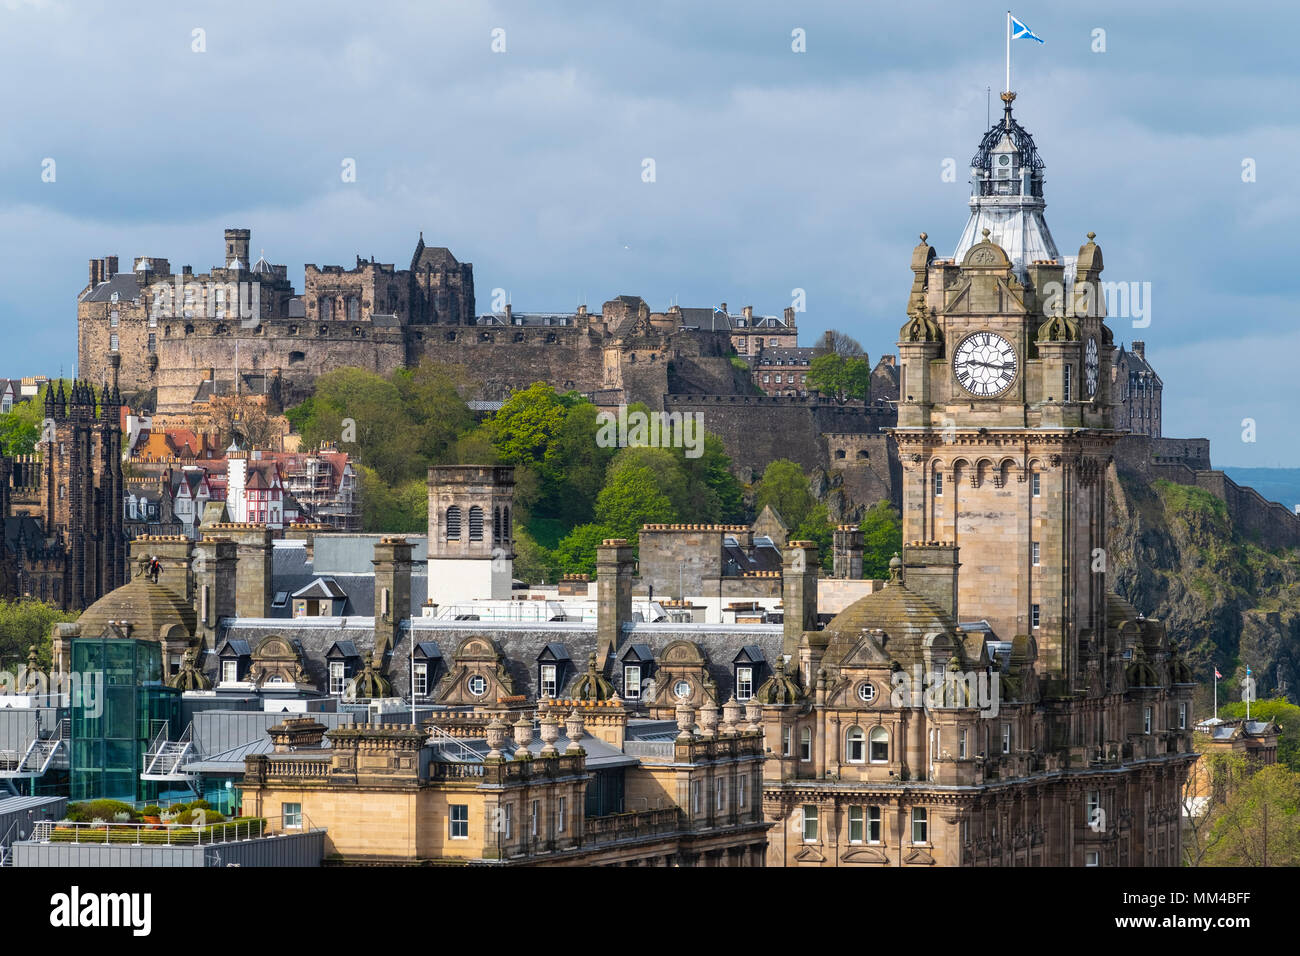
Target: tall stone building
point(993, 704)
point(1137, 391)
point(64, 505)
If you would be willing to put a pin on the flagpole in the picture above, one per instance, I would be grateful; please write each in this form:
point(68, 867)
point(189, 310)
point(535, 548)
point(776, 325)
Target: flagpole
point(1008, 88)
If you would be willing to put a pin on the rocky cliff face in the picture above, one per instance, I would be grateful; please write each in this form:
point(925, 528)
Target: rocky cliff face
point(1176, 555)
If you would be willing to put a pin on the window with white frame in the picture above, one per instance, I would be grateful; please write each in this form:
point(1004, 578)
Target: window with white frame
point(458, 821)
point(920, 825)
point(421, 679)
point(695, 796)
point(1092, 858)
point(961, 743)
point(535, 818)
point(805, 745)
point(744, 683)
point(873, 825)
point(1033, 615)
point(291, 815)
point(632, 682)
point(548, 680)
point(857, 825)
point(809, 823)
point(742, 791)
point(1006, 738)
point(720, 803)
point(855, 745)
point(229, 672)
point(1182, 716)
point(1093, 807)
point(1036, 554)
point(508, 821)
point(1035, 484)
point(1069, 369)
point(879, 745)
point(1146, 720)
point(561, 814)
point(338, 682)
point(785, 741)
point(938, 484)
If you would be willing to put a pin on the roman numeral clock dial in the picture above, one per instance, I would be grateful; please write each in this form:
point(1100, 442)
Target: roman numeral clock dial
point(985, 364)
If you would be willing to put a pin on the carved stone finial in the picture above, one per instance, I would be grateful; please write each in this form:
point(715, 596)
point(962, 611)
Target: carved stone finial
point(924, 237)
point(986, 234)
point(1092, 236)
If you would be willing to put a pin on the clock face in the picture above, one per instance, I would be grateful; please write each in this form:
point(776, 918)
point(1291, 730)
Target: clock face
point(1090, 367)
point(985, 364)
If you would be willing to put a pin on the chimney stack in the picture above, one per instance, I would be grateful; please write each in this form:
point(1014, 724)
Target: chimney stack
point(215, 568)
point(848, 552)
point(392, 563)
point(799, 593)
point(930, 569)
point(614, 567)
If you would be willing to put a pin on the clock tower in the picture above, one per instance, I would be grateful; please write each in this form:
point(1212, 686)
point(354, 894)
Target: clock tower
point(1004, 415)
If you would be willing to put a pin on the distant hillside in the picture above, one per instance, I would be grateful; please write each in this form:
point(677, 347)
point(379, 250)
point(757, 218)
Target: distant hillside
point(1275, 484)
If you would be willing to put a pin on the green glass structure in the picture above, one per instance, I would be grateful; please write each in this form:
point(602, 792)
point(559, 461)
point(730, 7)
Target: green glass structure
point(114, 721)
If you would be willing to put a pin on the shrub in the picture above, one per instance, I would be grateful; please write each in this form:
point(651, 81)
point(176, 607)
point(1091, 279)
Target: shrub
point(107, 810)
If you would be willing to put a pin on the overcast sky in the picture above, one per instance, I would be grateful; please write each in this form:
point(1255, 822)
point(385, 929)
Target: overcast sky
point(774, 169)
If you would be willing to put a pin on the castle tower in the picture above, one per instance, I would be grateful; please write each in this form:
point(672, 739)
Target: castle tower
point(1004, 425)
point(471, 532)
point(237, 242)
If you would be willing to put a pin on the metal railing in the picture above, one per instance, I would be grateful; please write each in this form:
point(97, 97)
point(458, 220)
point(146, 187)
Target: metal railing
point(148, 834)
point(445, 741)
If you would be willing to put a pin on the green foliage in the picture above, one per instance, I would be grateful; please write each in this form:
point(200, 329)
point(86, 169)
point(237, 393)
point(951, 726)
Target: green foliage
point(882, 538)
point(817, 527)
point(784, 486)
point(1259, 824)
point(404, 509)
point(839, 377)
point(18, 436)
point(107, 810)
point(576, 554)
point(633, 497)
point(24, 623)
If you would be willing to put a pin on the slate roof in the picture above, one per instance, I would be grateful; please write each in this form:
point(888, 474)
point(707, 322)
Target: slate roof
point(520, 643)
point(124, 284)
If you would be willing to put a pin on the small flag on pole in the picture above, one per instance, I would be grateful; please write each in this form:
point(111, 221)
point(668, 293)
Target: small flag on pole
point(1217, 675)
point(1021, 32)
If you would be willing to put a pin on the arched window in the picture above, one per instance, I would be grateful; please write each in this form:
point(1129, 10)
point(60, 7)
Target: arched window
point(879, 745)
point(476, 523)
point(839, 453)
point(452, 523)
point(855, 745)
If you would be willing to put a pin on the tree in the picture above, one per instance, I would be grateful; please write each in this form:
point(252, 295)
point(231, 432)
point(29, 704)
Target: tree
point(785, 487)
point(1259, 825)
point(882, 538)
point(526, 428)
point(839, 377)
point(576, 553)
point(25, 623)
point(1205, 796)
point(842, 344)
point(817, 527)
point(631, 498)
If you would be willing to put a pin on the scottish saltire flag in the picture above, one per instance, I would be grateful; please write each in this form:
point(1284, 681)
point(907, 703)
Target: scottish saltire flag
point(1021, 32)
